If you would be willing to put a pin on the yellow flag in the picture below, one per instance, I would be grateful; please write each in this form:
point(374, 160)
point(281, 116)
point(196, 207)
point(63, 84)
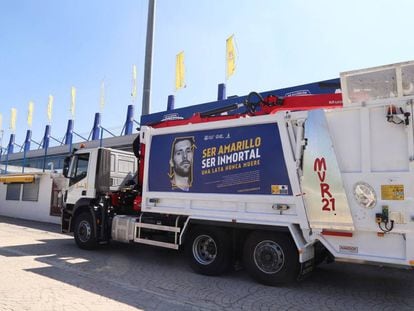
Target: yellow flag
point(50, 108)
point(73, 102)
point(102, 99)
point(30, 114)
point(134, 82)
point(13, 116)
point(230, 57)
point(179, 71)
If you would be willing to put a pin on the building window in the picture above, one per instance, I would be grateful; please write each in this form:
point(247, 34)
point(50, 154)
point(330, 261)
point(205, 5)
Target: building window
point(31, 191)
point(13, 192)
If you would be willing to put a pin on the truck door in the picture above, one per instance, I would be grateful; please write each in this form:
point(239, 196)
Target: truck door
point(324, 194)
point(80, 183)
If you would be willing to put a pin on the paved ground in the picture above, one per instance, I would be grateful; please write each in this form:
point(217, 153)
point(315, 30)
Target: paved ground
point(41, 269)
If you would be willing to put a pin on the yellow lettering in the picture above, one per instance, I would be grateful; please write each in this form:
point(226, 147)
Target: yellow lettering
point(209, 152)
point(257, 142)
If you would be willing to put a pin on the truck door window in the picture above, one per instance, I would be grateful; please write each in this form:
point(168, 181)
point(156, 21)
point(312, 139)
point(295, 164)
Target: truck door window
point(79, 168)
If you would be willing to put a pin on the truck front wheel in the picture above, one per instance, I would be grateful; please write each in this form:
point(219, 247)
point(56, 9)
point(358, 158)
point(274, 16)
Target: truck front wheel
point(271, 258)
point(209, 250)
point(84, 231)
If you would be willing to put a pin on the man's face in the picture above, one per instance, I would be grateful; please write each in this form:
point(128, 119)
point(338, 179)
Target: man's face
point(182, 158)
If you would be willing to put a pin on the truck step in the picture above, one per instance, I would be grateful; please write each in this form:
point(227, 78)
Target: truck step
point(142, 229)
point(157, 227)
point(156, 243)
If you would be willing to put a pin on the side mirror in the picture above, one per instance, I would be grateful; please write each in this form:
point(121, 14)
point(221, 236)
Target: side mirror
point(66, 164)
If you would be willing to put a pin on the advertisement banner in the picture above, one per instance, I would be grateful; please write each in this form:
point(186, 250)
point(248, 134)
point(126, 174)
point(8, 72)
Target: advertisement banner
point(241, 160)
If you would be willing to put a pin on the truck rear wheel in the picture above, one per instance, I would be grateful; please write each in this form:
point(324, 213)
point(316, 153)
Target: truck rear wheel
point(271, 258)
point(84, 231)
point(209, 250)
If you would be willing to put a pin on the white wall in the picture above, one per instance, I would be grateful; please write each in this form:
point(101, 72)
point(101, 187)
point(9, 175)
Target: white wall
point(39, 211)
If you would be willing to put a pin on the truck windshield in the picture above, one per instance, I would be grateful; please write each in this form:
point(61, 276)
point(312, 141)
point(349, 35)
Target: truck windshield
point(79, 168)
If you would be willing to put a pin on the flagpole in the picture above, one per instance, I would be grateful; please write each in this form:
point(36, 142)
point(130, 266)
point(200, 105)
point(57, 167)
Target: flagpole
point(146, 94)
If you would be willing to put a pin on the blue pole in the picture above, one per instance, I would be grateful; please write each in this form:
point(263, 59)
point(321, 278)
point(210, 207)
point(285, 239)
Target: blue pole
point(171, 102)
point(69, 135)
point(221, 95)
point(96, 126)
point(45, 145)
point(7, 162)
point(46, 137)
point(26, 147)
point(10, 149)
point(100, 143)
point(129, 123)
point(28, 140)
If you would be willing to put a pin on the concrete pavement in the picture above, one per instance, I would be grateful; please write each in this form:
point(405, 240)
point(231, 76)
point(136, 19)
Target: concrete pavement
point(41, 269)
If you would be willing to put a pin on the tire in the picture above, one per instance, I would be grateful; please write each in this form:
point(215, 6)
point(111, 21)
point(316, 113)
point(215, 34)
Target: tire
point(271, 258)
point(84, 232)
point(209, 250)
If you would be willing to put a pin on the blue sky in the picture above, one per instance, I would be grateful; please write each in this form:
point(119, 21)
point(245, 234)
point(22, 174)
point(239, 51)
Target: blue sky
point(47, 46)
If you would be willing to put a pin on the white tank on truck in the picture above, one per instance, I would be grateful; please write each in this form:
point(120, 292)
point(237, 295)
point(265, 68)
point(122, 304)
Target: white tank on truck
point(278, 187)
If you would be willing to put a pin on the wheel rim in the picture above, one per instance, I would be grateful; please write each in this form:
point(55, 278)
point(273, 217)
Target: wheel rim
point(269, 257)
point(84, 231)
point(204, 249)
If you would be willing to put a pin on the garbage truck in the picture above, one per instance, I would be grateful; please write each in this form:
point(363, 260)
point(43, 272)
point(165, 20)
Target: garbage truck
point(278, 184)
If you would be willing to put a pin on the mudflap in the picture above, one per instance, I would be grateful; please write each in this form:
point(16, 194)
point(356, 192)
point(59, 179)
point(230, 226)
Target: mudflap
point(306, 269)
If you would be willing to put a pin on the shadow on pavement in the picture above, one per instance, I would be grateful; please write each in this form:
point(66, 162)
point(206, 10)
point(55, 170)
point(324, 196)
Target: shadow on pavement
point(120, 272)
point(150, 278)
point(31, 224)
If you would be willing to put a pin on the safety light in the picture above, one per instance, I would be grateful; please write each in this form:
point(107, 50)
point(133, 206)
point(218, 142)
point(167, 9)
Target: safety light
point(365, 195)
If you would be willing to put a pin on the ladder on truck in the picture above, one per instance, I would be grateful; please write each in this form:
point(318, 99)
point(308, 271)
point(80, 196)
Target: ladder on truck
point(144, 228)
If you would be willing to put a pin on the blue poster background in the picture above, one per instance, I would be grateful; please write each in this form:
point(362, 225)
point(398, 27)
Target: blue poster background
point(251, 161)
